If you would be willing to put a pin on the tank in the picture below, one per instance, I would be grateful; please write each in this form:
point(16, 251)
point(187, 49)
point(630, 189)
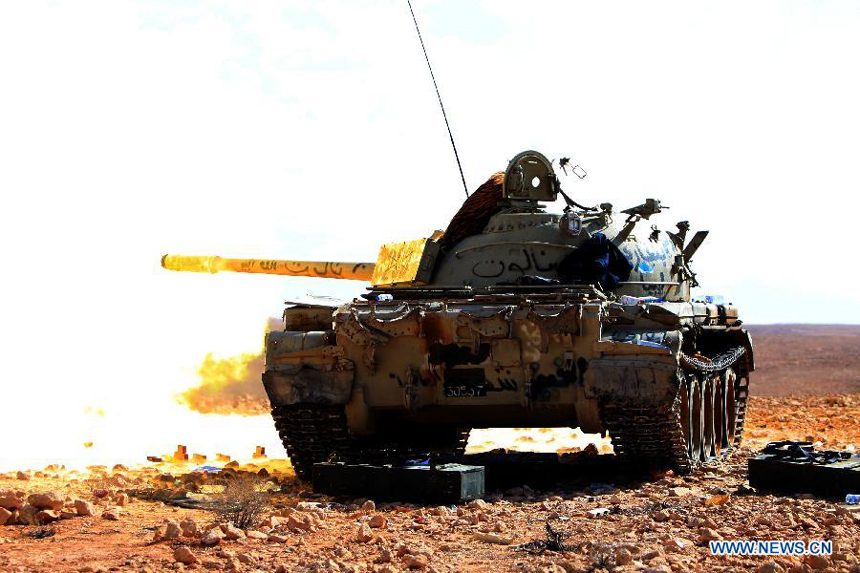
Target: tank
point(511, 317)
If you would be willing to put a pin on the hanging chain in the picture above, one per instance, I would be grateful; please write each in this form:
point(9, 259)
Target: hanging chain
point(715, 364)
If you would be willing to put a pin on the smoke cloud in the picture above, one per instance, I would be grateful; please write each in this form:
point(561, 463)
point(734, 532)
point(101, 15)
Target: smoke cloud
point(231, 385)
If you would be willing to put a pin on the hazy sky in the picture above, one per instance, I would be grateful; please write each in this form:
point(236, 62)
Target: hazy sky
point(310, 130)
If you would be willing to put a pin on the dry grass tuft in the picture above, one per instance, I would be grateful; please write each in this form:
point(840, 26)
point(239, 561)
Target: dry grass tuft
point(242, 503)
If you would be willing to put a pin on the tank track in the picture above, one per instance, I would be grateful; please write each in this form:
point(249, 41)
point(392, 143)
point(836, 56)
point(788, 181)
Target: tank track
point(741, 395)
point(655, 437)
point(313, 434)
point(649, 436)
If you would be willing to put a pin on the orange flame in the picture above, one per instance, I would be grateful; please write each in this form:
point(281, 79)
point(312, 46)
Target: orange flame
point(230, 385)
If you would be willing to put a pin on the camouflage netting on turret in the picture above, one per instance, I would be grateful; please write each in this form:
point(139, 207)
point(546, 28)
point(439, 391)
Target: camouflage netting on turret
point(475, 212)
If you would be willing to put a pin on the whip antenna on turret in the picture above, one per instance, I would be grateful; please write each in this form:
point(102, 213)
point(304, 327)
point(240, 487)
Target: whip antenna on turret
point(438, 95)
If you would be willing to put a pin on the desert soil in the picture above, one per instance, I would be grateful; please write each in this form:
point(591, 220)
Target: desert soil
point(805, 359)
point(659, 522)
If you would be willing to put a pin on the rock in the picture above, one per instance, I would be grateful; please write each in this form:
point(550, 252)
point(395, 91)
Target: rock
point(212, 537)
point(597, 512)
point(158, 535)
point(184, 555)
point(275, 521)
point(368, 505)
point(84, 508)
point(122, 499)
point(309, 506)
point(211, 564)
point(478, 504)
point(442, 510)
point(46, 516)
point(680, 491)
point(571, 566)
point(254, 534)
point(695, 522)
point(676, 544)
point(112, 514)
point(189, 527)
point(378, 521)
point(364, 534)
point(652, 554)
point(817, 562)
point(493, 538)
point(770, 567)
point(171, 530)
point(27, 515)
point(48, 500)
point(231, 532)
point(385, 556)
point(5, 514)
point(415, 561)
point(662, 515)
point(300, 522)
point(623, 557)
point(277, 538)
point(707, 534)
point(245, 558)
point(22, 476)
point(10, 500)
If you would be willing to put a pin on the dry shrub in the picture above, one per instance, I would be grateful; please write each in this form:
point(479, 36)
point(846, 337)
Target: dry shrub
point(242, 502)
point(554, 542)
point(42, 532)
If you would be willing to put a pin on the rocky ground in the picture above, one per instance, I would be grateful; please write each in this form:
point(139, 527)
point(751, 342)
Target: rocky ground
point(118, 519)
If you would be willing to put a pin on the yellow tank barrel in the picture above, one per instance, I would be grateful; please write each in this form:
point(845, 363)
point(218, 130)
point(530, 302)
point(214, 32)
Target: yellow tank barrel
point(324, 269)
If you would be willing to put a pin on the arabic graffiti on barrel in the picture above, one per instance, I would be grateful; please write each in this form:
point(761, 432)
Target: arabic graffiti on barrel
point(313, 269)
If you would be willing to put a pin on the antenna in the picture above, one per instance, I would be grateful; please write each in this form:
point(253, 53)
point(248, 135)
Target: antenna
point(438, 95)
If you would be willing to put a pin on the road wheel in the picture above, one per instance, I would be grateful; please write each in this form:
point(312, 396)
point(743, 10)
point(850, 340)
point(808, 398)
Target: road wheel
point(709, 398)
point(697, 419)
point(685, 400)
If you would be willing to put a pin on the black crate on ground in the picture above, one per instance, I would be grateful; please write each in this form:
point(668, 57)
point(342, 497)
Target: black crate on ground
point(794, 467)
point(446, 483)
